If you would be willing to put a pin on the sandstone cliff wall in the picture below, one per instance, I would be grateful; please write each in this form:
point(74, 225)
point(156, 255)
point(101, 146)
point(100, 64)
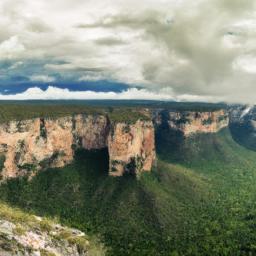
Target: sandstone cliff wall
point(90, 132)
point(131, 148)
point(31, 145)
point(189, 122)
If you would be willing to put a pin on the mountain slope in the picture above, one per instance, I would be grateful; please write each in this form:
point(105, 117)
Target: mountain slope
point(200, 200)
point(26, 234)
point(226, 221)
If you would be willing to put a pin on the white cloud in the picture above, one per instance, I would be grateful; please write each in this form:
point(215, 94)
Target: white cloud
point(246, 63)
point(54, 93)
point(192, 47)
point(42, 78)
point(11, 48)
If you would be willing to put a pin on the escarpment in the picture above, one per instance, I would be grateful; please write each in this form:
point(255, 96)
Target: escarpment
point(131, 148)
point(90, 132)
point(191, 122)
point(31, 145)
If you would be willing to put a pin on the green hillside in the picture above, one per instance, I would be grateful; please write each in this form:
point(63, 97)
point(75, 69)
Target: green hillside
point(244, 134)
point(200, 200)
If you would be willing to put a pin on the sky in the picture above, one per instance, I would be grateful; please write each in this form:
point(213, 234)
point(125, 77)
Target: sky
point(201, 50)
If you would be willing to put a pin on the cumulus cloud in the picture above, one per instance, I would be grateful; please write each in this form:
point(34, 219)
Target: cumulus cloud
point(51, 93)
point(54, 93)
point(11, 48)
point(202, 49)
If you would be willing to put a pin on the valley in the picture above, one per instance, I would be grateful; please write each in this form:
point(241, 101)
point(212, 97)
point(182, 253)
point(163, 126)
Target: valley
point(198, 199)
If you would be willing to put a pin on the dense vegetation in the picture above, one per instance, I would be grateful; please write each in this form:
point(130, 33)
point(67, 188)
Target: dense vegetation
point(18, 112)
point(201, 200)
point(225, 224)
point(244, 134)
point(126, 115)
point(10, 112)
point(192, 106)
point(118, 111)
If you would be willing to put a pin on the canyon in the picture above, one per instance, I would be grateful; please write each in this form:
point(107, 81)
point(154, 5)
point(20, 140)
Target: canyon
point(28, 146)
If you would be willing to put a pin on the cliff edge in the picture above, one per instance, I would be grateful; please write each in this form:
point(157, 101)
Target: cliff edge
point(28, 146)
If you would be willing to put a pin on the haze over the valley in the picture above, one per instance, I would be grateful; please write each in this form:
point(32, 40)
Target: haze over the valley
point(203, 50)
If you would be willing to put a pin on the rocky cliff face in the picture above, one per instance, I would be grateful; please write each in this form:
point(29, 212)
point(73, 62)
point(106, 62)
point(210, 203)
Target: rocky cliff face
point(31, 145)
point(189, 122)
point(131, 148)
point(90, 132)
point(243, 125)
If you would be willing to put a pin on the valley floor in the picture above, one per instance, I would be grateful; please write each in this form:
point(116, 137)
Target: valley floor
point(200, 200)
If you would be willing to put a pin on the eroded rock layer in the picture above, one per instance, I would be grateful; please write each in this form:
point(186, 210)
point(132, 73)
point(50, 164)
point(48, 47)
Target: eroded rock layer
point(131, 148)
point(31, 145)
point(189, 122)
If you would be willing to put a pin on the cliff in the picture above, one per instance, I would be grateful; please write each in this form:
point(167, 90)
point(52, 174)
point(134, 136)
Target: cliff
point(131, 148)
point(243, 125)
point(31, 145)
point(190, 122)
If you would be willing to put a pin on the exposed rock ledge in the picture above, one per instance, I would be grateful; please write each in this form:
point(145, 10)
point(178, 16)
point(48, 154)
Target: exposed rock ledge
point(41, 237)
point(131, 148)
point(190, 122)
point(31, 145)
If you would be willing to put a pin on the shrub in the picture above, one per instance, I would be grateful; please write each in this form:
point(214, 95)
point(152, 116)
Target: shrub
point(45, 225)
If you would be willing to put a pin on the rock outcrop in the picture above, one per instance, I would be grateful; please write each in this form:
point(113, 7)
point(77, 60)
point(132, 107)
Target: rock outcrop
point(243, 125)
point(131, 148)
point(19, 240)
point(40, 237)
point(31, 145)
point(90, 132)
point(190, 122)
